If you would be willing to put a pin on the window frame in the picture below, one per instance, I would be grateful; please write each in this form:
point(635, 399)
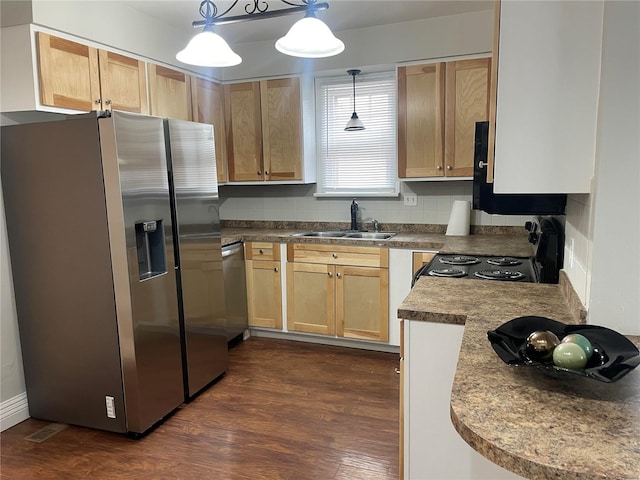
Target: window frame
point(344, 81)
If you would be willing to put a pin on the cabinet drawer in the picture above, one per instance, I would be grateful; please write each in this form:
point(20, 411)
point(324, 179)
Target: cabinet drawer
point(263, 251)
point(338, 255)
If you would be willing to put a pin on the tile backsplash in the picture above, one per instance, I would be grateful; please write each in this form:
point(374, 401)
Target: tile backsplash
point(297, 203)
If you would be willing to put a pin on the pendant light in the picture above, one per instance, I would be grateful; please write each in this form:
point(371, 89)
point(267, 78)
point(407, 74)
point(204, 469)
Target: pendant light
point(354, 124)
point(208, 49)
point(310, 37)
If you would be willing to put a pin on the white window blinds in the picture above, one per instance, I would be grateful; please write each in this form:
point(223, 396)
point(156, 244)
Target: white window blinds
point(359, 162)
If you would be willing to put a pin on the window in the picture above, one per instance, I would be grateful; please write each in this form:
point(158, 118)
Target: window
point(357, 163)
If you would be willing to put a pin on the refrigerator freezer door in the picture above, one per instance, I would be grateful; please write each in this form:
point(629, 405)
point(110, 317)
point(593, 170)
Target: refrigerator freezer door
point(193, 171)
point(61, 265)
point(141, 238)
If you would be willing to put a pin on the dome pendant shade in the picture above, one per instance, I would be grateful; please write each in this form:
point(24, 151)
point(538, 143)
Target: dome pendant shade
point(310, 38)
point(208, 49)
point(354, 124)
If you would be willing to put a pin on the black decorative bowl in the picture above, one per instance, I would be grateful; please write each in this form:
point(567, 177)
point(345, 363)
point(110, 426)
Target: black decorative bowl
point(613, 354)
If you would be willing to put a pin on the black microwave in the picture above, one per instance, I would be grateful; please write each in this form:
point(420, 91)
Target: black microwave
point(506, 203)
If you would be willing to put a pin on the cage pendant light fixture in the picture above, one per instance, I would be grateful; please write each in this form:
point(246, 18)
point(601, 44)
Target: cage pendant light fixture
point(354, 124)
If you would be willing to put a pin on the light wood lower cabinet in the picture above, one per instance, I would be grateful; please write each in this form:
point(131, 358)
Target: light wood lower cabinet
point(264, 284)
point(338, 290)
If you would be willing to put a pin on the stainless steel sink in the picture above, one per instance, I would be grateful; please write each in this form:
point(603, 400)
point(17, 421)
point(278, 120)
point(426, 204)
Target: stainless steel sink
point(370, 235)
point(324, 234)
point(347, 234)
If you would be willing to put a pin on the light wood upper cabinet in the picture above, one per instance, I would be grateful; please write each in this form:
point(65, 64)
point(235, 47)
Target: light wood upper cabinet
point(421, 120)
point(123, 83)
point(264, 136)
point(438, 106)
point(244, 131)
point(68, 74)
point(76, 76)
point(169, 93)
point(467, 103)
point(281, 129)
point(208, 107)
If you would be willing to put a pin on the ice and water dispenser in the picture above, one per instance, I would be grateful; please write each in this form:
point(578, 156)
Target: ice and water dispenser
point(152, 260)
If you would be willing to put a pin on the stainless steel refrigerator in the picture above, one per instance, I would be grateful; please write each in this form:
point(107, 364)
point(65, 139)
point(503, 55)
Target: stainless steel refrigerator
point(115, 332)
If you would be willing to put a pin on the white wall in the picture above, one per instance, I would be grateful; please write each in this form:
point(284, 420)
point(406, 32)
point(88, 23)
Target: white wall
point(604, 227)
point(296, 202)
point(422, 39)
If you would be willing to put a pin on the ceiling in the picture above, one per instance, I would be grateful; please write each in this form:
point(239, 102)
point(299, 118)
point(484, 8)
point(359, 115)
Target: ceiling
point(341, 15)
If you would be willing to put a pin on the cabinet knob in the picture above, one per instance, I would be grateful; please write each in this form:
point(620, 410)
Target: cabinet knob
point(259, 172)
point(339, 275)
point(334, 255)
point(438, 167)
point(266, 172)
point(330, 274)
point(261, 252)
point(108, 102)
point(98, 101)
point(275, 269)
point(449, 167)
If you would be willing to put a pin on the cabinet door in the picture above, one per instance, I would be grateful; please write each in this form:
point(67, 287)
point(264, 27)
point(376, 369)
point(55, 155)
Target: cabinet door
point(281, 129)
point(69, 76)
point(264, 294)
point(421, 120)
point(310, 298)
point(123, 83)
point(362, 303)
point(208, 107)
point(169, 93)
point(244, 131)
point(467, 103)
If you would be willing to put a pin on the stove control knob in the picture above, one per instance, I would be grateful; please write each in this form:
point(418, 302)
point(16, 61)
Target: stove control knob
point(533, 238)
point(528, 225)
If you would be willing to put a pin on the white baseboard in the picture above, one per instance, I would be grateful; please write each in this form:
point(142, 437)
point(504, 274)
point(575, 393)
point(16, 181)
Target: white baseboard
point(13, 411)
point(324, 340)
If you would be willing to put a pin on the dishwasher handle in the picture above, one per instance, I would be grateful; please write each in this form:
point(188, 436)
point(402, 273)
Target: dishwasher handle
point(229, 250)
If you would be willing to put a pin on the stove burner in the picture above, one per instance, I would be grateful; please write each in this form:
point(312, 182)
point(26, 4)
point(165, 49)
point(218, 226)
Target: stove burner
point(500, 275)
point(504, 261)
point(447, 272)
point(459, 260)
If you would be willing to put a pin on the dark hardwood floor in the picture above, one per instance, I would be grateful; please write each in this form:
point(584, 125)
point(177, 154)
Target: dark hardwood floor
point(285, 410)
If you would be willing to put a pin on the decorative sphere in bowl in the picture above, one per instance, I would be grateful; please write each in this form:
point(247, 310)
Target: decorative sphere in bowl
point(569, 355)
point(580, 340)
point(540, 345)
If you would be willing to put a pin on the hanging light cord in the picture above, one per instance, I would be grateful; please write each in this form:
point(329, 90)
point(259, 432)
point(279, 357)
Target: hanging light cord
point(354, 91)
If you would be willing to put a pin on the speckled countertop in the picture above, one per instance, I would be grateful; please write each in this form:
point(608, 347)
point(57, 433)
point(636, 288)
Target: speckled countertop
point(511, 241)
point(534, 425)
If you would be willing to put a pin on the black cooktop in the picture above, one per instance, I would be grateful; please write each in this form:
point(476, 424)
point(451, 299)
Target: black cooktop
point(479, 267)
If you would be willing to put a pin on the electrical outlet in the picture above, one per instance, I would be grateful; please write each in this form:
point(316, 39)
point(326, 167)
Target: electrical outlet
point(410, 199)
point(111, 406)
point(571, 250)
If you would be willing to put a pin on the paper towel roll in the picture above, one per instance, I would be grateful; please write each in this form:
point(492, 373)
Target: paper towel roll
point(460, 218)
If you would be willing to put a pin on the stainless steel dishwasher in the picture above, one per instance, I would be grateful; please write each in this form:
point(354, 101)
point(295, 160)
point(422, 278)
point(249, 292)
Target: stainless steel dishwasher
point(235, 289)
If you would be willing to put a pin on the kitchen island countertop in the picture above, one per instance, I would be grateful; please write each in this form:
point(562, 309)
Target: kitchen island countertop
point(532, 424)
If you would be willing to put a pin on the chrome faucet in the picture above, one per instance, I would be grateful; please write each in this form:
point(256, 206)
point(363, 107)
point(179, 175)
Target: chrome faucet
point(354, 215)
point(376, 225)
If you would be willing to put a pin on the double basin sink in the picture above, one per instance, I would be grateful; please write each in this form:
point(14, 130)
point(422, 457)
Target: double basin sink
point(347, 234)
